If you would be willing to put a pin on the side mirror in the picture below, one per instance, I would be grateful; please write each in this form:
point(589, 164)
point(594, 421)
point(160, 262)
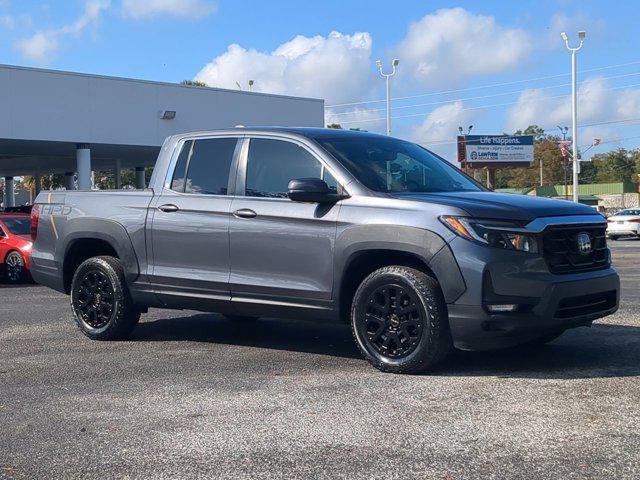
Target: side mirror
point(312, 190)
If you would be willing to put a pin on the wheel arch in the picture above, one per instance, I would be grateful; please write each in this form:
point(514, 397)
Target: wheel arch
point(106, 238)
point(408, 246)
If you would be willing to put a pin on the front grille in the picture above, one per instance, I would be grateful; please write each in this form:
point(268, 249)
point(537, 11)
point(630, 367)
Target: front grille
point(561, 248)
point(586, 304)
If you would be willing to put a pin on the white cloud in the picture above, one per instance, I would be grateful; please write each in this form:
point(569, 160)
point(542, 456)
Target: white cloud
point(40, 47)
point(596, 101)
point(143, 9)
point(336, 67)
point(43, 45)
point(355, 117)
point(439, 129)
point(454, 44)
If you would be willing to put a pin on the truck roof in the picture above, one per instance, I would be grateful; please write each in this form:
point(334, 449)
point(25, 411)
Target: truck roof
point(311, 132)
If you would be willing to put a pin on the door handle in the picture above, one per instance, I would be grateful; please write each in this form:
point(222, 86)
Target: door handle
point(245, 213)
point(168, 208)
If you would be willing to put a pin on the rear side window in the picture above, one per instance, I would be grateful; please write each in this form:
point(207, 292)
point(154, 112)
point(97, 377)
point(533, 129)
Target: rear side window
point(180, 172)
point(273, 163)
point(203, 166)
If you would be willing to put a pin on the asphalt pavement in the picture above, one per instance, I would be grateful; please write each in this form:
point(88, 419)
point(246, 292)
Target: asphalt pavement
point(197, 396)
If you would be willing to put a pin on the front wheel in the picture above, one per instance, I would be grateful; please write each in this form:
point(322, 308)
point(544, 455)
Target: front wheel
point(399, 320)
point(15, 268)
point(100, 300)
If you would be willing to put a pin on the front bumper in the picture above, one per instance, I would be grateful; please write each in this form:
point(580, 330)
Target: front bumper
point(621, 230)
point(563, 305)
point(551, 302)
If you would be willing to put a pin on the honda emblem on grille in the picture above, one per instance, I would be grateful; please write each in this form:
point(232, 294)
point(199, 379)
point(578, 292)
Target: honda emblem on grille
point(584, 243)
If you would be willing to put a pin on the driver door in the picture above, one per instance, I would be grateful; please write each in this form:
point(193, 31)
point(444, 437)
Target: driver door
point(280, 251)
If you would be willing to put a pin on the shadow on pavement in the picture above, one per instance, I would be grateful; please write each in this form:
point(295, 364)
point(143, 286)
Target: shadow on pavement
point(601, 351)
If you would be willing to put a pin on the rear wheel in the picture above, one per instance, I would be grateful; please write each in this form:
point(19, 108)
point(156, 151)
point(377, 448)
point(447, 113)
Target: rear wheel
point(399, 320)
point(15, 268)
point(100, 299)
point(613, 237)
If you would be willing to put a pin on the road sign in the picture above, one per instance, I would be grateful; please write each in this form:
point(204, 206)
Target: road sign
point(495, 151)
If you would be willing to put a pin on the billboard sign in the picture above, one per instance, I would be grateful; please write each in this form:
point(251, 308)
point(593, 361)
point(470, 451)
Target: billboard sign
point(495, 151)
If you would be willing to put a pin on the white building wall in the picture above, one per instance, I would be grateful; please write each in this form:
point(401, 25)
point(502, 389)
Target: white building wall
point(69, 107)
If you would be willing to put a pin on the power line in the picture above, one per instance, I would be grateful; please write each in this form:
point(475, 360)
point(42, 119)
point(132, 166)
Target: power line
point(481, 107)
point(515, 82)
point(448, 141)
point(493, 95)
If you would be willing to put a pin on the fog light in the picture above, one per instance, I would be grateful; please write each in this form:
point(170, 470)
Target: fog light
point(502, 308)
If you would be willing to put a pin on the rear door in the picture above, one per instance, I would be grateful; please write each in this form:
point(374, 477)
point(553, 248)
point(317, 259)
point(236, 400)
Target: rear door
point(281, 251)
point(190, 224)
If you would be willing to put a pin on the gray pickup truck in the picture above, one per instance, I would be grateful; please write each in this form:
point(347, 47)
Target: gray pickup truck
point(331, 225)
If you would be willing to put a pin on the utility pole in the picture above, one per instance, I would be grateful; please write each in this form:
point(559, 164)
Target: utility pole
point(574, 109)
point(564, 131)
point(387, 77)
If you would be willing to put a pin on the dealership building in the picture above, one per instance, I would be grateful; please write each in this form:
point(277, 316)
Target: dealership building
point(54, 122)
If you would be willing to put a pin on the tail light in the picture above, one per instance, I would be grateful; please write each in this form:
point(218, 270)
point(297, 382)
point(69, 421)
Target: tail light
point(610, 221)
point(634, 220)
point(35, 216)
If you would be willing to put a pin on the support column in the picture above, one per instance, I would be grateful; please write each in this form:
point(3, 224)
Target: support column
point(140, 180)
point(118, 174)
point(69, 181)
point(491, 178)
point(9, 192)
point(83, 160)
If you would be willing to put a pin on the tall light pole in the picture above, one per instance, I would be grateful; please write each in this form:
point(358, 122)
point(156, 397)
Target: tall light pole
point(387, 77)
point(574, 109)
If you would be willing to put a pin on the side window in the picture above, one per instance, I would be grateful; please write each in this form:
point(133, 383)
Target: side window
point(273, 163)
point(2, 234)
point(208, 164)
point(180, 172)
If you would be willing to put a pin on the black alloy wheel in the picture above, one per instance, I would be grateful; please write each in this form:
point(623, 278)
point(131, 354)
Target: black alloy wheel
point(94, 299)
point(100, 299)
point(393, 321)
point(399, 320)
point(14, 267)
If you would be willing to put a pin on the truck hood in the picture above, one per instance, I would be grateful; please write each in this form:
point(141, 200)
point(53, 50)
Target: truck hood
point(502, 206)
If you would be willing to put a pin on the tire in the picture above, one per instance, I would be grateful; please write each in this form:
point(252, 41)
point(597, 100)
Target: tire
point(241, 318)
point(399, 320)
point(544, 339)
point(100, 300)
point(613, 238)
point(15, 270)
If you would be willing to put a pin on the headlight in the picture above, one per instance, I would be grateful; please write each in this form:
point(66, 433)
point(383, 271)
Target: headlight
point(492, 233)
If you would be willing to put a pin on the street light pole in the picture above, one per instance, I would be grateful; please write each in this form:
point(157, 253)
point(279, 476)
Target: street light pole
point(574, 109)
point(387, 77)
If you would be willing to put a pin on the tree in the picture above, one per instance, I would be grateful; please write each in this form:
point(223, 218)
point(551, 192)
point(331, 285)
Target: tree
point(193, 83)
point(615, 166)
point(545, 150)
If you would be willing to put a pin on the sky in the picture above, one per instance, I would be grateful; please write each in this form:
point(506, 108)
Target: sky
point(497, 65)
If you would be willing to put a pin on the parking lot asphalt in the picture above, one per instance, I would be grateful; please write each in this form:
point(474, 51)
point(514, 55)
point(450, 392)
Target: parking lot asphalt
point(197, 396)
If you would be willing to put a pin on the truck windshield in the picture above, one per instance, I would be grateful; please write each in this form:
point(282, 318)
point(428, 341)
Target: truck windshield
point(394, 166)
point(18, 225)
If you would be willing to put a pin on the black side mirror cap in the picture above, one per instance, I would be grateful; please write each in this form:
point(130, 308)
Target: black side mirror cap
point(312, 190)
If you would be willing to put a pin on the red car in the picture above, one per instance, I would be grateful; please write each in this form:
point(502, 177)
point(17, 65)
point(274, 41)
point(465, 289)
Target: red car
point(15, 246)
